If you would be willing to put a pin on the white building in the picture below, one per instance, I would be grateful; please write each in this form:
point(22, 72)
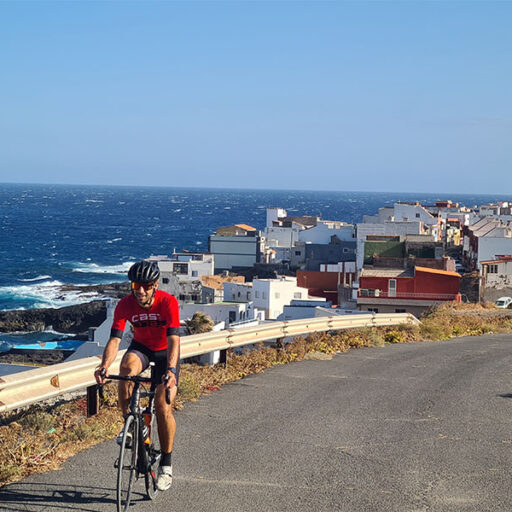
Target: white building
point(325, 229)
point(99, 336)
point(181, 273)
point(386, 229)
point(407, 212)
point(273, 215)
point(496, 241)
point(236, 246)
point(271, 295)
point(268, 295)
point(187, 265)
point(227, 312)
point(496, 278)
point(299, 309)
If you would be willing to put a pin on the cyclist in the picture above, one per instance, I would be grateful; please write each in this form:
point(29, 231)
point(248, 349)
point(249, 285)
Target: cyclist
point(154, 315)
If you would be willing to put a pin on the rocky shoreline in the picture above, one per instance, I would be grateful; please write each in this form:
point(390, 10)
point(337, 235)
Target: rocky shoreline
point(68, 320)
point(73, 320)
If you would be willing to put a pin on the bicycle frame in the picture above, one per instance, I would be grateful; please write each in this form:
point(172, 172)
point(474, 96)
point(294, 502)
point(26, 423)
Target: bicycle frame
point(138, 457)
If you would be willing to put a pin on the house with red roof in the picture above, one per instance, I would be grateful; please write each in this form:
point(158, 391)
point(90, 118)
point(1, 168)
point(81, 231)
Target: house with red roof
point(406, 290)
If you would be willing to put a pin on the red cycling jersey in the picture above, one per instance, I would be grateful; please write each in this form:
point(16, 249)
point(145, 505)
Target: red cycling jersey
point(150, 326)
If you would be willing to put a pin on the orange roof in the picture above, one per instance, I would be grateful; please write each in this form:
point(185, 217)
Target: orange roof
point(436, 271)
point(502, 259)
point(246, 227)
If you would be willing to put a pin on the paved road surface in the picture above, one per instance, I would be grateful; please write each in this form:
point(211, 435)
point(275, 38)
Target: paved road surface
point(413, 427)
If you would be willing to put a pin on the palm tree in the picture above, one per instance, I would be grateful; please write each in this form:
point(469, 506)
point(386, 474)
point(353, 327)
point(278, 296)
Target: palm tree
point(199, 323)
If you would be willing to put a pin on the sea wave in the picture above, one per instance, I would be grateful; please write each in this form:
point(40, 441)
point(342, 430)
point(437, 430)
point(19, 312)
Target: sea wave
point(44, 295)
point(38, 278)
point(94, 268)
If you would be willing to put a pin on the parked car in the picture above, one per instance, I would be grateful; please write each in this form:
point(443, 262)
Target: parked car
point(504, 302)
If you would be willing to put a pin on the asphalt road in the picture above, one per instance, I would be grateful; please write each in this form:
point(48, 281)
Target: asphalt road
point(412, 427)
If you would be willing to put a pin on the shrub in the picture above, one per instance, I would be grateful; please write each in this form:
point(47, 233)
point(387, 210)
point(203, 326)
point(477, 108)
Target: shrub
point(38, 421)
point(188, 387)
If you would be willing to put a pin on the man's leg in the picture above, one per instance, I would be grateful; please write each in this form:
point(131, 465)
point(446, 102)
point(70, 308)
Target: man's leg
point(165, 418)
point(166, 432)
point(130, 365)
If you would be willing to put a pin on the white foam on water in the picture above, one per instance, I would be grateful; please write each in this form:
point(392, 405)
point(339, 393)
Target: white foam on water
point(94, 268)
point(50, 294)
point(38, 278)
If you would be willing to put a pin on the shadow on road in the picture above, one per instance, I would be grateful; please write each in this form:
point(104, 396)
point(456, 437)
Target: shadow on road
point(28, 496)
point(506, 395)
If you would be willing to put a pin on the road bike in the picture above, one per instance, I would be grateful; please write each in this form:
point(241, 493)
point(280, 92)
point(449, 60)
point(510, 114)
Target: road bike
point(139, 452)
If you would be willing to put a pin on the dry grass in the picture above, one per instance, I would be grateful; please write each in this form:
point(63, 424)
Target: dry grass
point(41, 438)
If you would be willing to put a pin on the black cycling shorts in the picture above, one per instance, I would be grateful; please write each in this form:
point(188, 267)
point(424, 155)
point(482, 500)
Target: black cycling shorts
point(159, 357)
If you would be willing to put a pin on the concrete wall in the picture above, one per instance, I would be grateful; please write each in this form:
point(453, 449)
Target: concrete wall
point(323, 231)
point(234, 251)
point(489, 247)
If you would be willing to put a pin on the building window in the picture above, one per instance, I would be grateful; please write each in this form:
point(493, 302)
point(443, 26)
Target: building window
point(297, 253)
point(493, 269)
point(165, 280)
point(232, 316)
point(257, 294)
point(373, 310)
point(194, 297)
point(238, 294)
point(180, 268)
point(182, 296)
point(248, 295)
point(297, 295)
point(194, 273)
point(263, 295)
point(345, 250)
point(398, 310)
point(417, 215)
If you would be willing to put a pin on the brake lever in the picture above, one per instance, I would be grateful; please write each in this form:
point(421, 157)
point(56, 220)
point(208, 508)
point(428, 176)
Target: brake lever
point(167, 391)
point(99, 387)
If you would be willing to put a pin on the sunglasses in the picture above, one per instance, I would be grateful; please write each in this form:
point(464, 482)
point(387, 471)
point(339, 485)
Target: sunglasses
point(146, 286)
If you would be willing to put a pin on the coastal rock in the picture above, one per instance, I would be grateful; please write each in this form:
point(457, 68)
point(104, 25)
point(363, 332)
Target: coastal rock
point(69, 320)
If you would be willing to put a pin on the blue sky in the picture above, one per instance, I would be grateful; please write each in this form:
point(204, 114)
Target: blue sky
point(379, 96)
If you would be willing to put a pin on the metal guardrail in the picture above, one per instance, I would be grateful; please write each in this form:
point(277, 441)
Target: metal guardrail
point(32, 386)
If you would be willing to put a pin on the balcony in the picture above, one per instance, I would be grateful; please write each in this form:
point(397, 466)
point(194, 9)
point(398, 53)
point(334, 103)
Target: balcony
point(372, 294)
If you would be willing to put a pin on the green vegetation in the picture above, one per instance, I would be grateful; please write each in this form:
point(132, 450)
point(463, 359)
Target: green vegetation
point(40, 438)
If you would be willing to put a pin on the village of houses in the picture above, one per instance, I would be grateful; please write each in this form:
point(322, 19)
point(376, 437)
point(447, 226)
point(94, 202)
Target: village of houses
point(405, 259)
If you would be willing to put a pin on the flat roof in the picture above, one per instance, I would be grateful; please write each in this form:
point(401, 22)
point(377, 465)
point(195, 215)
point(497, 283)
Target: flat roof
point(386, 272)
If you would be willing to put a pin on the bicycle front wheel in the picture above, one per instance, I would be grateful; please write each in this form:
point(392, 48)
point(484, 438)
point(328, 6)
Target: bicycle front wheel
point(127, 463)
point(153, 451)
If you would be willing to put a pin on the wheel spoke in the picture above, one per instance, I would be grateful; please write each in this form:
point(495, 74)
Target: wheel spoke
point(127, 466)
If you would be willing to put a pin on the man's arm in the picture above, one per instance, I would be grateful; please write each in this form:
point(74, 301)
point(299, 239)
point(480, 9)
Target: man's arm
point(173, 355)
point(109, 354)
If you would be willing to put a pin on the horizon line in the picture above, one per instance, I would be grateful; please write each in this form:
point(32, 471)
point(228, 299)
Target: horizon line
point(261, 189)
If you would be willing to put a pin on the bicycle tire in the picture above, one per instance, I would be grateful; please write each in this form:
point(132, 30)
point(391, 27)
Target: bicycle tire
point(153, 451)
point(127, 464)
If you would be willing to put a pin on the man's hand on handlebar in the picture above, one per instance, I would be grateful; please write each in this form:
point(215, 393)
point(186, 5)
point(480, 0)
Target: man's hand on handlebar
point(101, 375)
point(169, 380)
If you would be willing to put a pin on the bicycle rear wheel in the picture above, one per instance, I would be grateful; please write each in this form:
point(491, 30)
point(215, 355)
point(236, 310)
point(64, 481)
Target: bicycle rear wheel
point(153, 451)
point(127, 464)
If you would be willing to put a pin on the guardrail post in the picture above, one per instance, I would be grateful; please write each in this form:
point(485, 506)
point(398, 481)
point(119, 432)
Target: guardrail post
point(92, 401)
point(223, 357)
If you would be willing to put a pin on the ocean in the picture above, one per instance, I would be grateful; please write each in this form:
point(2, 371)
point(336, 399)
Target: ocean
point(58, 234)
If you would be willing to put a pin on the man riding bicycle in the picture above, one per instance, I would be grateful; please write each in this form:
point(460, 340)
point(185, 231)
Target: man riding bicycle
point(154, 316)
